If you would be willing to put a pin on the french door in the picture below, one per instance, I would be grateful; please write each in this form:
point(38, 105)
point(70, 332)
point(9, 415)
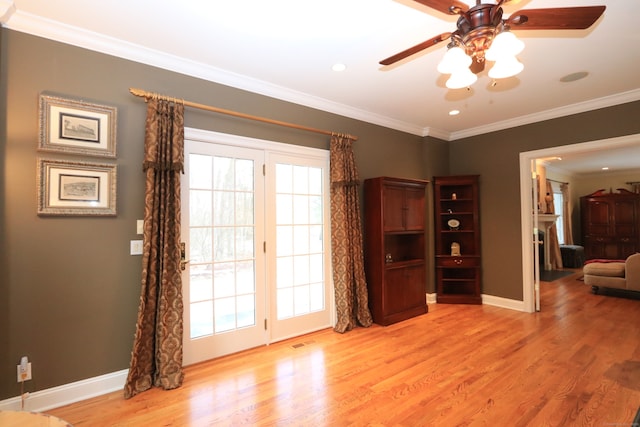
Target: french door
point(255, 226)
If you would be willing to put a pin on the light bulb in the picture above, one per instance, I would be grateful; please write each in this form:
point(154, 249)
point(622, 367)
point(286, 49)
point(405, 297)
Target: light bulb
point(505, 44)
point(507, 66)
point(454, 60)
point(461, 79)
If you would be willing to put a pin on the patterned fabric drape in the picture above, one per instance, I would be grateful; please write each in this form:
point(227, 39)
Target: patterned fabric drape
point(156, 359)
point(566, 214)
point(552, 239)
point(352, 300)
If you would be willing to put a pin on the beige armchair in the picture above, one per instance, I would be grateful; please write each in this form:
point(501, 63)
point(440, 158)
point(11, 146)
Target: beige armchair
point(618, 275)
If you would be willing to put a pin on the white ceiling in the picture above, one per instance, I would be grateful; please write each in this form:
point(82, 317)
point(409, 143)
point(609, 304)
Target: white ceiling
point(286, 48)
point(617, 159)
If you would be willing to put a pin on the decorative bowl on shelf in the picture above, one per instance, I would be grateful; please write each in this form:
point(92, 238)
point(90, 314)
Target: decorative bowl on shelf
point(453, 224)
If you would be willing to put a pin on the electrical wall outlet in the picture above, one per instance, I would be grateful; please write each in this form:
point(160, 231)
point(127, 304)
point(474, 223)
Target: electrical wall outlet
point(24, 370)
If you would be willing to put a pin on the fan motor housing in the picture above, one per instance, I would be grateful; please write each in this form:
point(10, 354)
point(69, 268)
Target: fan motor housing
point(477, 28)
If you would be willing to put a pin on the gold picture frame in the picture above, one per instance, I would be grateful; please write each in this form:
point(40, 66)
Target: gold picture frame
point(76, 188)
point(77, 127)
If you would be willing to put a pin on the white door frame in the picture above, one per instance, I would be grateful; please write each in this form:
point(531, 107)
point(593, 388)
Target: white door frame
point(272, 147)
point(526, 207)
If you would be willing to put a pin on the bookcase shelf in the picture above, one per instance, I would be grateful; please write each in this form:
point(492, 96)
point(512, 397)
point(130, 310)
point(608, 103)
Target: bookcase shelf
point(457, 273)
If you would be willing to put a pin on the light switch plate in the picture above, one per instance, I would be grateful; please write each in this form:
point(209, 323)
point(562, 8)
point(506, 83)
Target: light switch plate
point(140, 226)
point(136, 247)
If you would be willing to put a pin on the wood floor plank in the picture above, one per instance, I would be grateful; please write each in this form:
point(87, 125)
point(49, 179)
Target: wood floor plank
point(575, 363)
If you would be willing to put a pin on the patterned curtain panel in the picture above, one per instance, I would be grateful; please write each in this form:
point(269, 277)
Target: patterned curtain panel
point(566, 214)
point(552, 239)
point(352, 301)
point(156, 359)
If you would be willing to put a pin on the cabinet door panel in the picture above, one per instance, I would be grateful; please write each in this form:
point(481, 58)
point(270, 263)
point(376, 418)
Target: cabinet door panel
point(404, 289)
point(598, 217)
point(414, 209)
point(393, 298)
point(624, 218)
point(393, 212)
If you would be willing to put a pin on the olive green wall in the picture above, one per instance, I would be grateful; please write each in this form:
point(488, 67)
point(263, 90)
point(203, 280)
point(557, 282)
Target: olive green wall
point(495, 157)
point(69, 288)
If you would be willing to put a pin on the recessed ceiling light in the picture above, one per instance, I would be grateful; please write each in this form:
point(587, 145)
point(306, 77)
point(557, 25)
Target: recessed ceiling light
point(454, 112)
point(574, 76)
point(339, 67)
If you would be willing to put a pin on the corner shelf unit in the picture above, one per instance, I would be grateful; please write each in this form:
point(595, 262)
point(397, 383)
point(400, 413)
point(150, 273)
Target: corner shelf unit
point(457, 239)
point(395, 260)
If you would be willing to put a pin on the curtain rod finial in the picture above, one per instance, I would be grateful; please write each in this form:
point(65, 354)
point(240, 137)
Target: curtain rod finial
point(138, 92)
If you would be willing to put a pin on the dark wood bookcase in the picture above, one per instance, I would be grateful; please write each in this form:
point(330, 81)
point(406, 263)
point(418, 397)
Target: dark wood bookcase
point(394, 225)
point(457, 239)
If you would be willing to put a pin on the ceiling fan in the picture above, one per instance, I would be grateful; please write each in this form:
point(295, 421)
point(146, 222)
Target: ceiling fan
point(479, 29)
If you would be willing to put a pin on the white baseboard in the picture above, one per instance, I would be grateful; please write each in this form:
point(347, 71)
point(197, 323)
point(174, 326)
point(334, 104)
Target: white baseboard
point(43, 400)
point(431, 298)
point(503, 302)
point(488, 300)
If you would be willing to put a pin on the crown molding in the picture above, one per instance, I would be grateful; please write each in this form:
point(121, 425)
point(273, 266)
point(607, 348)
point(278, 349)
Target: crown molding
point(34, 25)
point(7, 9)
point(53, 30)
point(554, 113)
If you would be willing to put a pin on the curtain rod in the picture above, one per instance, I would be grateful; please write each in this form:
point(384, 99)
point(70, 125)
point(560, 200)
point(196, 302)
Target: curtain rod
point(559, 182)
point(147, 95)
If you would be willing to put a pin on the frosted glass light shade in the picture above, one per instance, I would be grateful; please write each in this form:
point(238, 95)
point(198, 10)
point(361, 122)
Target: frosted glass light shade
point(505, 44)
point(454, 60)
point(507, 66)
point(461, 79)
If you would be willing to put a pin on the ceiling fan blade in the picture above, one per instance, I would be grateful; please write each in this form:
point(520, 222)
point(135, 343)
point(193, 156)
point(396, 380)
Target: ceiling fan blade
point(415, 49)
point(445, 6)
point(559, 18)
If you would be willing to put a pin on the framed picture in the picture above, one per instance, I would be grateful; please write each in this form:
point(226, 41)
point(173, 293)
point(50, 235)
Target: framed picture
point(76, 188)
point(77, 127)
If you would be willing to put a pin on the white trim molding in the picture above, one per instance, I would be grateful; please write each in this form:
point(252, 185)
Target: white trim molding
point(511, 304)
point(66, 394)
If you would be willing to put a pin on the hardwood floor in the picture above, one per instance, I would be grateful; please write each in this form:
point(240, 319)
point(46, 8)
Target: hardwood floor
point(575, 363)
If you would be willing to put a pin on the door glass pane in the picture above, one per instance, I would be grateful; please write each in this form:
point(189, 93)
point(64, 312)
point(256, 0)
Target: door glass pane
point(299, 233)
point(221, 244)
point(201, 324)
point(200, 171)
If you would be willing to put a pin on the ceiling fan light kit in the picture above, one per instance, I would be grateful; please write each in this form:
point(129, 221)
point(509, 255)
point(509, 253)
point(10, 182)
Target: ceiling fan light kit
point(482, 35)
point(502, 49)
point(505, 67)
point(461, 79)
point(505, 44)
point(455, 59)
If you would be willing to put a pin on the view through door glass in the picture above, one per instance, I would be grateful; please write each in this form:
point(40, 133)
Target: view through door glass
point(224, 293)
point(301, 260)
point(237, 295)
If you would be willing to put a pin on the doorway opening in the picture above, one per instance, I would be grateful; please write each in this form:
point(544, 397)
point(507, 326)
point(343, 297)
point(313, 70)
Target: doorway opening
point(528, 215)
